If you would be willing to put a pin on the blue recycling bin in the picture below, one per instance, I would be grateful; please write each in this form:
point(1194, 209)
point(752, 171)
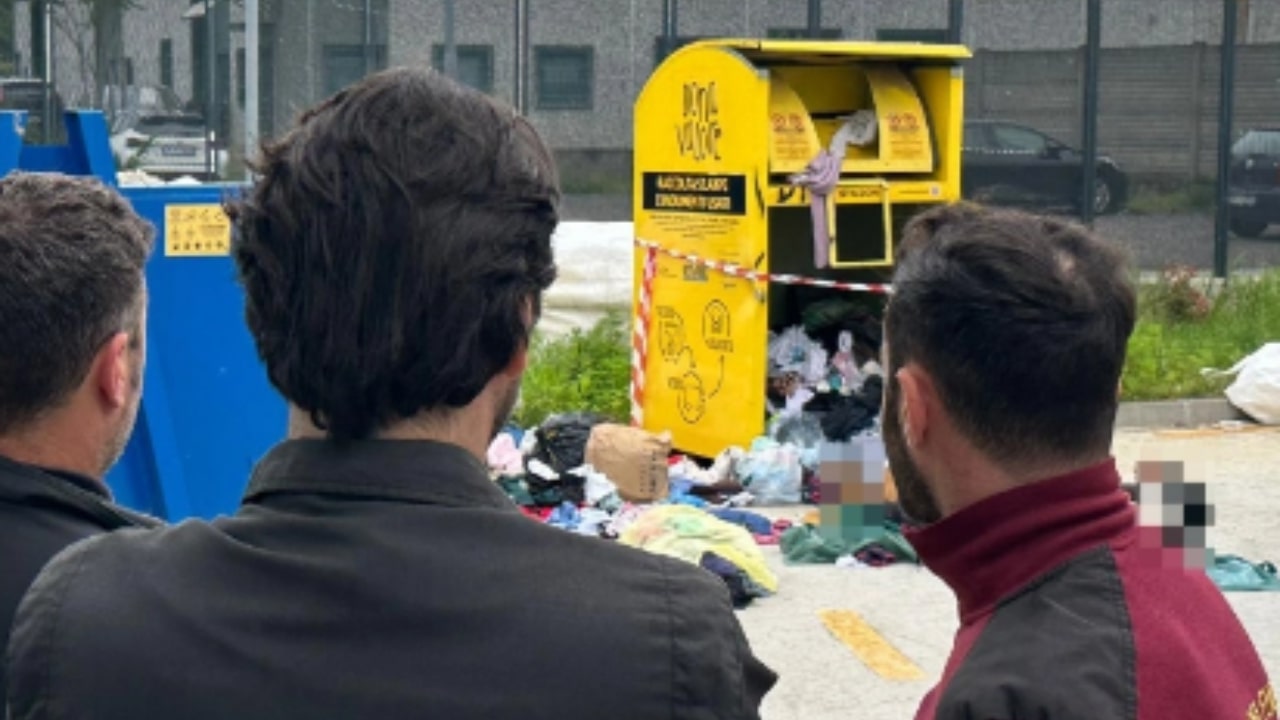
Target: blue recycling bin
point(208, 412)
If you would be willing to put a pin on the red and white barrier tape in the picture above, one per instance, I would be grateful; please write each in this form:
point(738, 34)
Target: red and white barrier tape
point(749, 274)
point(640, 337)
point(644, 313)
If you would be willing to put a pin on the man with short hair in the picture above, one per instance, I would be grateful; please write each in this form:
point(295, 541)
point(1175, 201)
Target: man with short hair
point(72, 348)
point(394, 254)
point(1005, 340)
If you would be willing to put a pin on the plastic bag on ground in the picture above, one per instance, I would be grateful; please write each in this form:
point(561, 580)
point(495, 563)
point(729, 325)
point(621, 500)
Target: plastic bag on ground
point(598, 485)
point(719, 472)
point(688, 533)
point(1256, 389)
point(562, 440)
point(793, 351)
point(1234, 573)
point(802, 431)
point(772, 472)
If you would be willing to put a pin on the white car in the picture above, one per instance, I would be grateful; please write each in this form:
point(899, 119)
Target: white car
point(168, 146)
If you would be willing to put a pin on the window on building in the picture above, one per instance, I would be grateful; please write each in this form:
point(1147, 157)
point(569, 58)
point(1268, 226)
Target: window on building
point(565, 77)
point(128, 71)
point(803, 34)
point(8, 51)
point(166, 63)
point(919, 35)
point(241, 74)
point(345, 64)
point(199, 63)
point(36, 19)
point(475, 65)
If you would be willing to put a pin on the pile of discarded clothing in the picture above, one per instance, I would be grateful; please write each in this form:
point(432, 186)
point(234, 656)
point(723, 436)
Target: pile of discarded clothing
point(810, 544)
point(590, 477)
point(724, 548)
point(827, 367)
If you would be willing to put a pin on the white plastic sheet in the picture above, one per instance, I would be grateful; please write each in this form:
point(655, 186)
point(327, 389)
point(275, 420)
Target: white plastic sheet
point(1256, 389)
point(596, 262)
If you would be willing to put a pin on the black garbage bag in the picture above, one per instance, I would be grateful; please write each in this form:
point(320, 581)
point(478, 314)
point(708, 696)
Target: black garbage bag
point(562, 440)
point(855, 413)
point(568, 488)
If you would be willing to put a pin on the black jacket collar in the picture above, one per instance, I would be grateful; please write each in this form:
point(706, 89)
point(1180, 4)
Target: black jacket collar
point(30, 486)
point(407, 470)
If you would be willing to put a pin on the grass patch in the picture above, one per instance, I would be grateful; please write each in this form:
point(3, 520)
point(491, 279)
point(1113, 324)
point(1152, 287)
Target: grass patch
point(1180, 330)
point(1160, 199)
point(584, 371)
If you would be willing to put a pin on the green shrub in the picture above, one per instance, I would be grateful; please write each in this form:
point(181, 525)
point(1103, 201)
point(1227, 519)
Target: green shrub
point(1175, 298)
point(1177, 335)
point(1181, 329)
point(583, 371)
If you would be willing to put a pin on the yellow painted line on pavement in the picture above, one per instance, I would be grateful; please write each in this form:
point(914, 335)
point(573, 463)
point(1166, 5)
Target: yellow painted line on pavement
point(870, 646)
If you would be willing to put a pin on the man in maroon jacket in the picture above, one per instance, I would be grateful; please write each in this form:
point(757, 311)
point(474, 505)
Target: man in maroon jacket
point(1005, 339)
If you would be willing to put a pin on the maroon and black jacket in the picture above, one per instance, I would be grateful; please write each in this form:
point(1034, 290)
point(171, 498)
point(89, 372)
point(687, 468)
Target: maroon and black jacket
point(1065, 614)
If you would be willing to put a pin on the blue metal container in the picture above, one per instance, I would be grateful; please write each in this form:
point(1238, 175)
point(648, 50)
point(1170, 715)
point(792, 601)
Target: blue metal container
point(208, 412)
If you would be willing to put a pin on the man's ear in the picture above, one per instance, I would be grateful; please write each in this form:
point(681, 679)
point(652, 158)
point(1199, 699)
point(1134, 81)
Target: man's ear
point(519, 360)
point(915, 397)
point(111, 373)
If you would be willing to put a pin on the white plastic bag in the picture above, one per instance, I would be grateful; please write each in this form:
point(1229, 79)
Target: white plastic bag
point(793, 351)
point(772, 472)
point(1256, 390)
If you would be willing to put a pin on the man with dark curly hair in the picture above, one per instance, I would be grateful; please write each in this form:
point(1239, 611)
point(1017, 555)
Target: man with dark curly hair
point(393, 254)
point(72, 349)
point(1005, 341)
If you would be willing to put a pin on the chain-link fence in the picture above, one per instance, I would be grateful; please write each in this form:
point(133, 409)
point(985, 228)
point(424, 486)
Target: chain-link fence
point(1042, 101)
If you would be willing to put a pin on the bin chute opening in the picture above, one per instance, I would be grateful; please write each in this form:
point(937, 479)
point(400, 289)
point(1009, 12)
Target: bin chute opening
point(817, 108)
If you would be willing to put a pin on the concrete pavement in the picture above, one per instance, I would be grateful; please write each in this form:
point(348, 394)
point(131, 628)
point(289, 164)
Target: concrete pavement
point(915, 612)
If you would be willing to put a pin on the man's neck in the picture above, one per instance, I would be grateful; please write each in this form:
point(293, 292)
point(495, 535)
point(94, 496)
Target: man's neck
point(50, 448)
point(974, 479)
point(463, 428)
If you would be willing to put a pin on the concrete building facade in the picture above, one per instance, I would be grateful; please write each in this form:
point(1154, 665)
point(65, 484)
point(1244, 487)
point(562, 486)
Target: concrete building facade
point(585, 61)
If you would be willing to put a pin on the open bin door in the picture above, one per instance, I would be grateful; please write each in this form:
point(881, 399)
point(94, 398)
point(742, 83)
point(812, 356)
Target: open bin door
point(820, 111)
point(863, 188)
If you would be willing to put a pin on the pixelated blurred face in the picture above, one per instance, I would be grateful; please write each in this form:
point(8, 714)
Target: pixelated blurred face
point(1173, 515)
point(852, 496)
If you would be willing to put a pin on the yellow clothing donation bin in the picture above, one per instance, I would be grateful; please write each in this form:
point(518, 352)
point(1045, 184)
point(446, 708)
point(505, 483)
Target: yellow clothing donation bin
point(766, 172)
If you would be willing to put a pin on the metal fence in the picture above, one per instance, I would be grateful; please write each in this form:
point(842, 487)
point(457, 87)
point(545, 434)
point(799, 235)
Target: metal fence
point(1122, 112)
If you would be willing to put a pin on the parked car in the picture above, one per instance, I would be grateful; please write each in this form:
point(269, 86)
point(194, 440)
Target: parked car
point(1254, 193)
point(1009, 164)
point(169, 145)
point(28, 94)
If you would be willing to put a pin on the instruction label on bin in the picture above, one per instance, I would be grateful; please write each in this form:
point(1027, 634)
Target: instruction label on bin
point(196, 231)
point(695, 193)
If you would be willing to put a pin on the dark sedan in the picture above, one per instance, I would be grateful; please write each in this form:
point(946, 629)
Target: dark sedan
point(1255, 182)
point(1010, 164)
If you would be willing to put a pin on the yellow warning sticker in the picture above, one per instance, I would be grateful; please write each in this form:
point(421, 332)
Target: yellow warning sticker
point(196, 231)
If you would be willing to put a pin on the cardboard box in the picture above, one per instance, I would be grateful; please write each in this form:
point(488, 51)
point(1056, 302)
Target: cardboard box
point(634, 459)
